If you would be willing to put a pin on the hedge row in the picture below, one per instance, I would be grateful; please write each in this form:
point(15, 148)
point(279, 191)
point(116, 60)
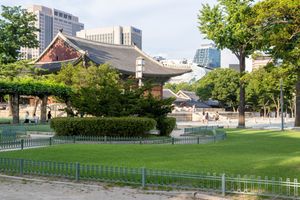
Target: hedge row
point(108, 126)
point(166, 125)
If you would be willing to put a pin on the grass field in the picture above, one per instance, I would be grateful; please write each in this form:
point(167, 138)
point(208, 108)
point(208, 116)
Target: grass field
point(244, 152)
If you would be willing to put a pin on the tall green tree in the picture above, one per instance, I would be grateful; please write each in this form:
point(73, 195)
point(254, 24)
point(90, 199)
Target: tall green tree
point(175, 87)
point(228, 24)
point(278, 28)
point(263, 88)
point(221, 85)
point(17, 29)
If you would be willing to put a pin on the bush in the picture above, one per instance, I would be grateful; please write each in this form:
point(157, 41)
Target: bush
point(166, 125)
point(107, 126)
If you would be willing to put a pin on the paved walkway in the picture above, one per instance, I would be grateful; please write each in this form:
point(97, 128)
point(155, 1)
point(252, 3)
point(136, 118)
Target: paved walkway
point(19, 189)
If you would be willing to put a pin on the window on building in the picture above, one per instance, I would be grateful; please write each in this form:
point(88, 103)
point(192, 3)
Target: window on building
point(60, 14)
point(65, 16)
point(69, 17)
point(55, 13)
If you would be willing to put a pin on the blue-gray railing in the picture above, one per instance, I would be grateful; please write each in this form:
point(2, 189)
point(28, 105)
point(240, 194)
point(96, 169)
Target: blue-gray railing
point(145, 177)
point(203, 130)
point(38, 142)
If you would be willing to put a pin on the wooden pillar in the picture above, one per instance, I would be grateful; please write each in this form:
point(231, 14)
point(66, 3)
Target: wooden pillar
point(44, 109)
point(15, 108)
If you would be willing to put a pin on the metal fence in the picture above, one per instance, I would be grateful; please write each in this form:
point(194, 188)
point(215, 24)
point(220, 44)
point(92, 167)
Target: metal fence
point(39, 142)
point(155, 178)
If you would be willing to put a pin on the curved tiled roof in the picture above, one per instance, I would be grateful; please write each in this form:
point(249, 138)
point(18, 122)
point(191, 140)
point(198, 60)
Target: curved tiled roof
point(122, 57)
point(167, 93)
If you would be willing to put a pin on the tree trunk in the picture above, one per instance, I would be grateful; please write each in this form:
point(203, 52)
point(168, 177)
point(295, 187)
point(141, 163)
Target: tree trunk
point(69, 109)
point(15, 108)
point(242, 93)
point(44, 109)
point(10, 111)
point(265, 111)
point(297, 110)
point(291, 107)
point(36, 103)
point(278, 108)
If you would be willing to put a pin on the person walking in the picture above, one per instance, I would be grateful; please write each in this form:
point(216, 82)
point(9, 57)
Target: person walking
point(203, 117)
point(206, 118)
point(26, 121)
point(49, 116)
point(217, 116)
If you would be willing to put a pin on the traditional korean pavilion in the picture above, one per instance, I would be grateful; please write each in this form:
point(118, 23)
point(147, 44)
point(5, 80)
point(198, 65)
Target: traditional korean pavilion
point(64, 49)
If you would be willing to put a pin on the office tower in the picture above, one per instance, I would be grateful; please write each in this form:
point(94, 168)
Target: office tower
point(50, 21)
point(126, 35)
point(208, 56)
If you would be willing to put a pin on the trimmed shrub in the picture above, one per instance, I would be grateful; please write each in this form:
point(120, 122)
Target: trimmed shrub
point(102, 126)
point(166, 125)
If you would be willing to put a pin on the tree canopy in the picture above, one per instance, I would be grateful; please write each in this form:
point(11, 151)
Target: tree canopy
point(278, 30)
point(228, 24)
point(17, 29)
point(221, 85)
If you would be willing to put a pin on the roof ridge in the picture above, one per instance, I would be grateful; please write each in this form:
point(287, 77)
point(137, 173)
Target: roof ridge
point(99, 43)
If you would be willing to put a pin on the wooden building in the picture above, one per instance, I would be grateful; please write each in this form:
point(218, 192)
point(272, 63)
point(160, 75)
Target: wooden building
point(65, 49)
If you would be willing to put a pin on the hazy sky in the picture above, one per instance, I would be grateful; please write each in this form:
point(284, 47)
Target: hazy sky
point(169, 26)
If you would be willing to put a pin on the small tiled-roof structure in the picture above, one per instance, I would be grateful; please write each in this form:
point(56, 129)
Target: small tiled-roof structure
point(182, 100)
point(193, 97)
point(167, 93)
point(196, 104)
point(188, 95)
point(121, 57)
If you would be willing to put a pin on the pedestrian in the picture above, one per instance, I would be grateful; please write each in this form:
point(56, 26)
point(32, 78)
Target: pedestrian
point(217, 116)
point(35, 119)
point(206, 117)
point(203, 117)
point(26, 121)
point(49, 116)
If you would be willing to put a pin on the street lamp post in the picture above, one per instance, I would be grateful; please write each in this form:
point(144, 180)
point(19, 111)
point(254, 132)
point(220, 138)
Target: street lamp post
point(139, 69)
point(281, 105)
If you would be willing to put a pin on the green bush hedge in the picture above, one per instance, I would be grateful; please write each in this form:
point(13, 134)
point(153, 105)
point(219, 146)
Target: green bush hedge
point(166, 125)
point(106, 126)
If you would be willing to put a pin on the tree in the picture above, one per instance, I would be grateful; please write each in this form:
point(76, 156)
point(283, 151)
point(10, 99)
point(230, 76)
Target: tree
point(278, 30)
point(175, 87)
point(17, 29)
point(228, 24)
point(221, 85)
point(263, 88)
point(257, 92)
point(96, 89)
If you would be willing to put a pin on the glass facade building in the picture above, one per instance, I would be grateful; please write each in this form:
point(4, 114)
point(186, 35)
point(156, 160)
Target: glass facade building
point(208, 56)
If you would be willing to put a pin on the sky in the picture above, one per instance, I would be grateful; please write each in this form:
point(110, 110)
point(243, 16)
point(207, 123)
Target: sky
point(169, 26)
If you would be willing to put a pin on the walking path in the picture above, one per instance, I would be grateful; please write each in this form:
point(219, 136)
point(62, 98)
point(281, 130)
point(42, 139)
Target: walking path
point(14, 188)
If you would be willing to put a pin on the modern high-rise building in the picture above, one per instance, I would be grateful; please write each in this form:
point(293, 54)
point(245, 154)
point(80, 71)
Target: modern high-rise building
point(126, 35)
point(208, 56)
point(50, 21)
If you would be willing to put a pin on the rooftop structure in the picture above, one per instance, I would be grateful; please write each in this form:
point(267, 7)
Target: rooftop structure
point(65, 49)
point(126, 35)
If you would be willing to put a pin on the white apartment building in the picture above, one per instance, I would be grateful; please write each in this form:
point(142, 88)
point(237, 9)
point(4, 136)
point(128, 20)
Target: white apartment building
point(126, 35)
point(50, 21)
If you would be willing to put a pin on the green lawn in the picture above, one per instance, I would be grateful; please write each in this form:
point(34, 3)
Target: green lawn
point(244, 152)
